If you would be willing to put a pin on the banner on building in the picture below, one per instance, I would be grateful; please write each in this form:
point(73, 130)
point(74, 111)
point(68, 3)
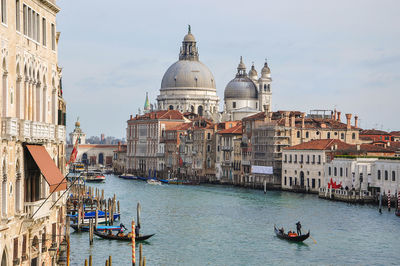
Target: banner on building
point(265, 170)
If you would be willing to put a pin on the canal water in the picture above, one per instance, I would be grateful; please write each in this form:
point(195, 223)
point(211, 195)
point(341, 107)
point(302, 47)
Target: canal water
point(217, 225)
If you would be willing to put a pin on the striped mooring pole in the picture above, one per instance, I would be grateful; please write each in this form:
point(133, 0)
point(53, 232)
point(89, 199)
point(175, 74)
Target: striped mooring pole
point(133, 243)
point(398, 200)
point(388, 200)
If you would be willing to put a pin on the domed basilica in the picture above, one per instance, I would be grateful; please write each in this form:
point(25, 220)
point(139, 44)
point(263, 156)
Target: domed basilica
point(189, 86)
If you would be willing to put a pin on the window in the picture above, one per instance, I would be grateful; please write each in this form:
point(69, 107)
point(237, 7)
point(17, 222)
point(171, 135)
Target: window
point(341, 171)
point(298, 134)
point(313, 159)
point(285, 158)
point(208, 148)
point(319, 173)
point(328, 135)
point(308, 158)
point(335, 171)
point(319, 159)
point(329, 170)
point(15, 253)
point(290, 181)
point(37, 28)
point(233, 104)
point(53, 40)
point(386, 175)
point(313, 183)
point(301, 158)
point(353, 136)
point(295, 158)
point(307, 135)
point(285, 180)
point(319, 183)
point(393, 176)
point(17, 16)
point(24, 15)
point(342, 135)
point(209, 135)
point(4, 11)
point(290, 158)
point(379, 174)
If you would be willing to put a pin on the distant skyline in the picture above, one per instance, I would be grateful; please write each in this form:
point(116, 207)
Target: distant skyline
point(322, 55)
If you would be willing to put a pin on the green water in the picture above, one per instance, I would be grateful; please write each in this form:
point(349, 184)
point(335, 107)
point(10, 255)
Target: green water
point(216, 225)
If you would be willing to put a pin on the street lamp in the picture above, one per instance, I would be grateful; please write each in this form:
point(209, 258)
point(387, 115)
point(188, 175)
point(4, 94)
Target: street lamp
point(53, 252)
point(62, 258)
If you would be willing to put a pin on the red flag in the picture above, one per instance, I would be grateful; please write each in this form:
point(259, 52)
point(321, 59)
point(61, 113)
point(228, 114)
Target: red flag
point(74, 152)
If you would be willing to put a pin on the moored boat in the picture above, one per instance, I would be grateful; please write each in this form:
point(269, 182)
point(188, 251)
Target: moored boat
point(397, 212)
point(128, 176)
point(296, 238)
point(153, 182)
point(126, 237)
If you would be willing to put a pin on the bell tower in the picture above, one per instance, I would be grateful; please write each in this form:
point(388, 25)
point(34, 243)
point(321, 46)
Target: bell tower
point(264, 88)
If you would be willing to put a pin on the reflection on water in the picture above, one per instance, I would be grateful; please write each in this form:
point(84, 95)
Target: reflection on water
point(215, 225)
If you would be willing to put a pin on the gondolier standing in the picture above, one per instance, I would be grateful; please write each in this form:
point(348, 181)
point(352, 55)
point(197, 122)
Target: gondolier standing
point(298, 226)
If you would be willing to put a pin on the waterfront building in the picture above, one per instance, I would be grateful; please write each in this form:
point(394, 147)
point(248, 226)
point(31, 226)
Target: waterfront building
point(32, 152)
point(90, 154)
point(395, 136)
point(145, 151)
point(119, 160)
point(267, 133)
point(188, 85)
point(227, 165)
point(204, 149)
point(174, 151)
point(362, 176)
point(247, 94)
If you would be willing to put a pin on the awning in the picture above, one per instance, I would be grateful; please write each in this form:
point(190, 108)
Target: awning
point(48, 168)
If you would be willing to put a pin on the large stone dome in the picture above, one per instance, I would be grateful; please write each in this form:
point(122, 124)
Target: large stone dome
point(241, 88)
point(188, 74)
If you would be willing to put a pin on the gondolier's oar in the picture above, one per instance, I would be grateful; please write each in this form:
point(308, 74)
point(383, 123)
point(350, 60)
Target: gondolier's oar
point(315, 242)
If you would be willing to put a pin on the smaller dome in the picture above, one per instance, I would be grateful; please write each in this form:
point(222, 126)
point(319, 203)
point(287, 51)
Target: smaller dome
point(77, 124)
point(241, 88)
point(253, 72)
point(241, 65)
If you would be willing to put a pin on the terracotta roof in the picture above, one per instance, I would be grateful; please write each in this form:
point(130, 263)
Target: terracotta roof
point(373, 132)
point(320, 144)
point(162, 114)
point(183, 126)
point(395, 133)
point(237, 130)
point(374, 148)
point(101, 146)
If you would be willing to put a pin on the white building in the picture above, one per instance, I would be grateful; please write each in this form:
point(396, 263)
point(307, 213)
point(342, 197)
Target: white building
point(365, 174)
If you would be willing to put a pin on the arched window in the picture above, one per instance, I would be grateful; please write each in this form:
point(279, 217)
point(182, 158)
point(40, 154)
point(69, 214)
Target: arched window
point(265, 87)
point(192, 109)
point(200, 110)
point(101, 158)
point(171, 107)
point(307, 134)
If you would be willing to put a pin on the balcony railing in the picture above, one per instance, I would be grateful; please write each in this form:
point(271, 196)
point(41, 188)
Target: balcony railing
point(26, 130)
point(226, 148)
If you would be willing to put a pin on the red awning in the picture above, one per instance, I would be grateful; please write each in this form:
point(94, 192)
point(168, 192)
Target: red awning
point(48, 168)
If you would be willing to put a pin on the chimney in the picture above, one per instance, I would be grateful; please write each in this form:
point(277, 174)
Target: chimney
point(131, 117)
point(302, 119)
point(348, 117)
point(292, 121)
point(335, 115)
point(356, 121)
point(286, 114)
point(338, 116)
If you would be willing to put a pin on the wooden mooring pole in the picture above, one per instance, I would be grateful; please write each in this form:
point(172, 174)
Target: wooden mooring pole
point(133, 243)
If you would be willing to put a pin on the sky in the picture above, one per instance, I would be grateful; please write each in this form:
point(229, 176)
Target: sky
point(322, 54)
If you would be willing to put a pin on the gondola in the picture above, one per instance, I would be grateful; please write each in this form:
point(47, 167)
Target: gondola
point(397, 212)
point(300, 238)
point(122, 238)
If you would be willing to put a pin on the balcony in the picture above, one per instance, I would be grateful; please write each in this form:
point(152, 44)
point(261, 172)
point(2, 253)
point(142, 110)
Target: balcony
point(9, 127)
point(30, 208)
point(33, 131)
point(226, 148)
point(245, 162)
